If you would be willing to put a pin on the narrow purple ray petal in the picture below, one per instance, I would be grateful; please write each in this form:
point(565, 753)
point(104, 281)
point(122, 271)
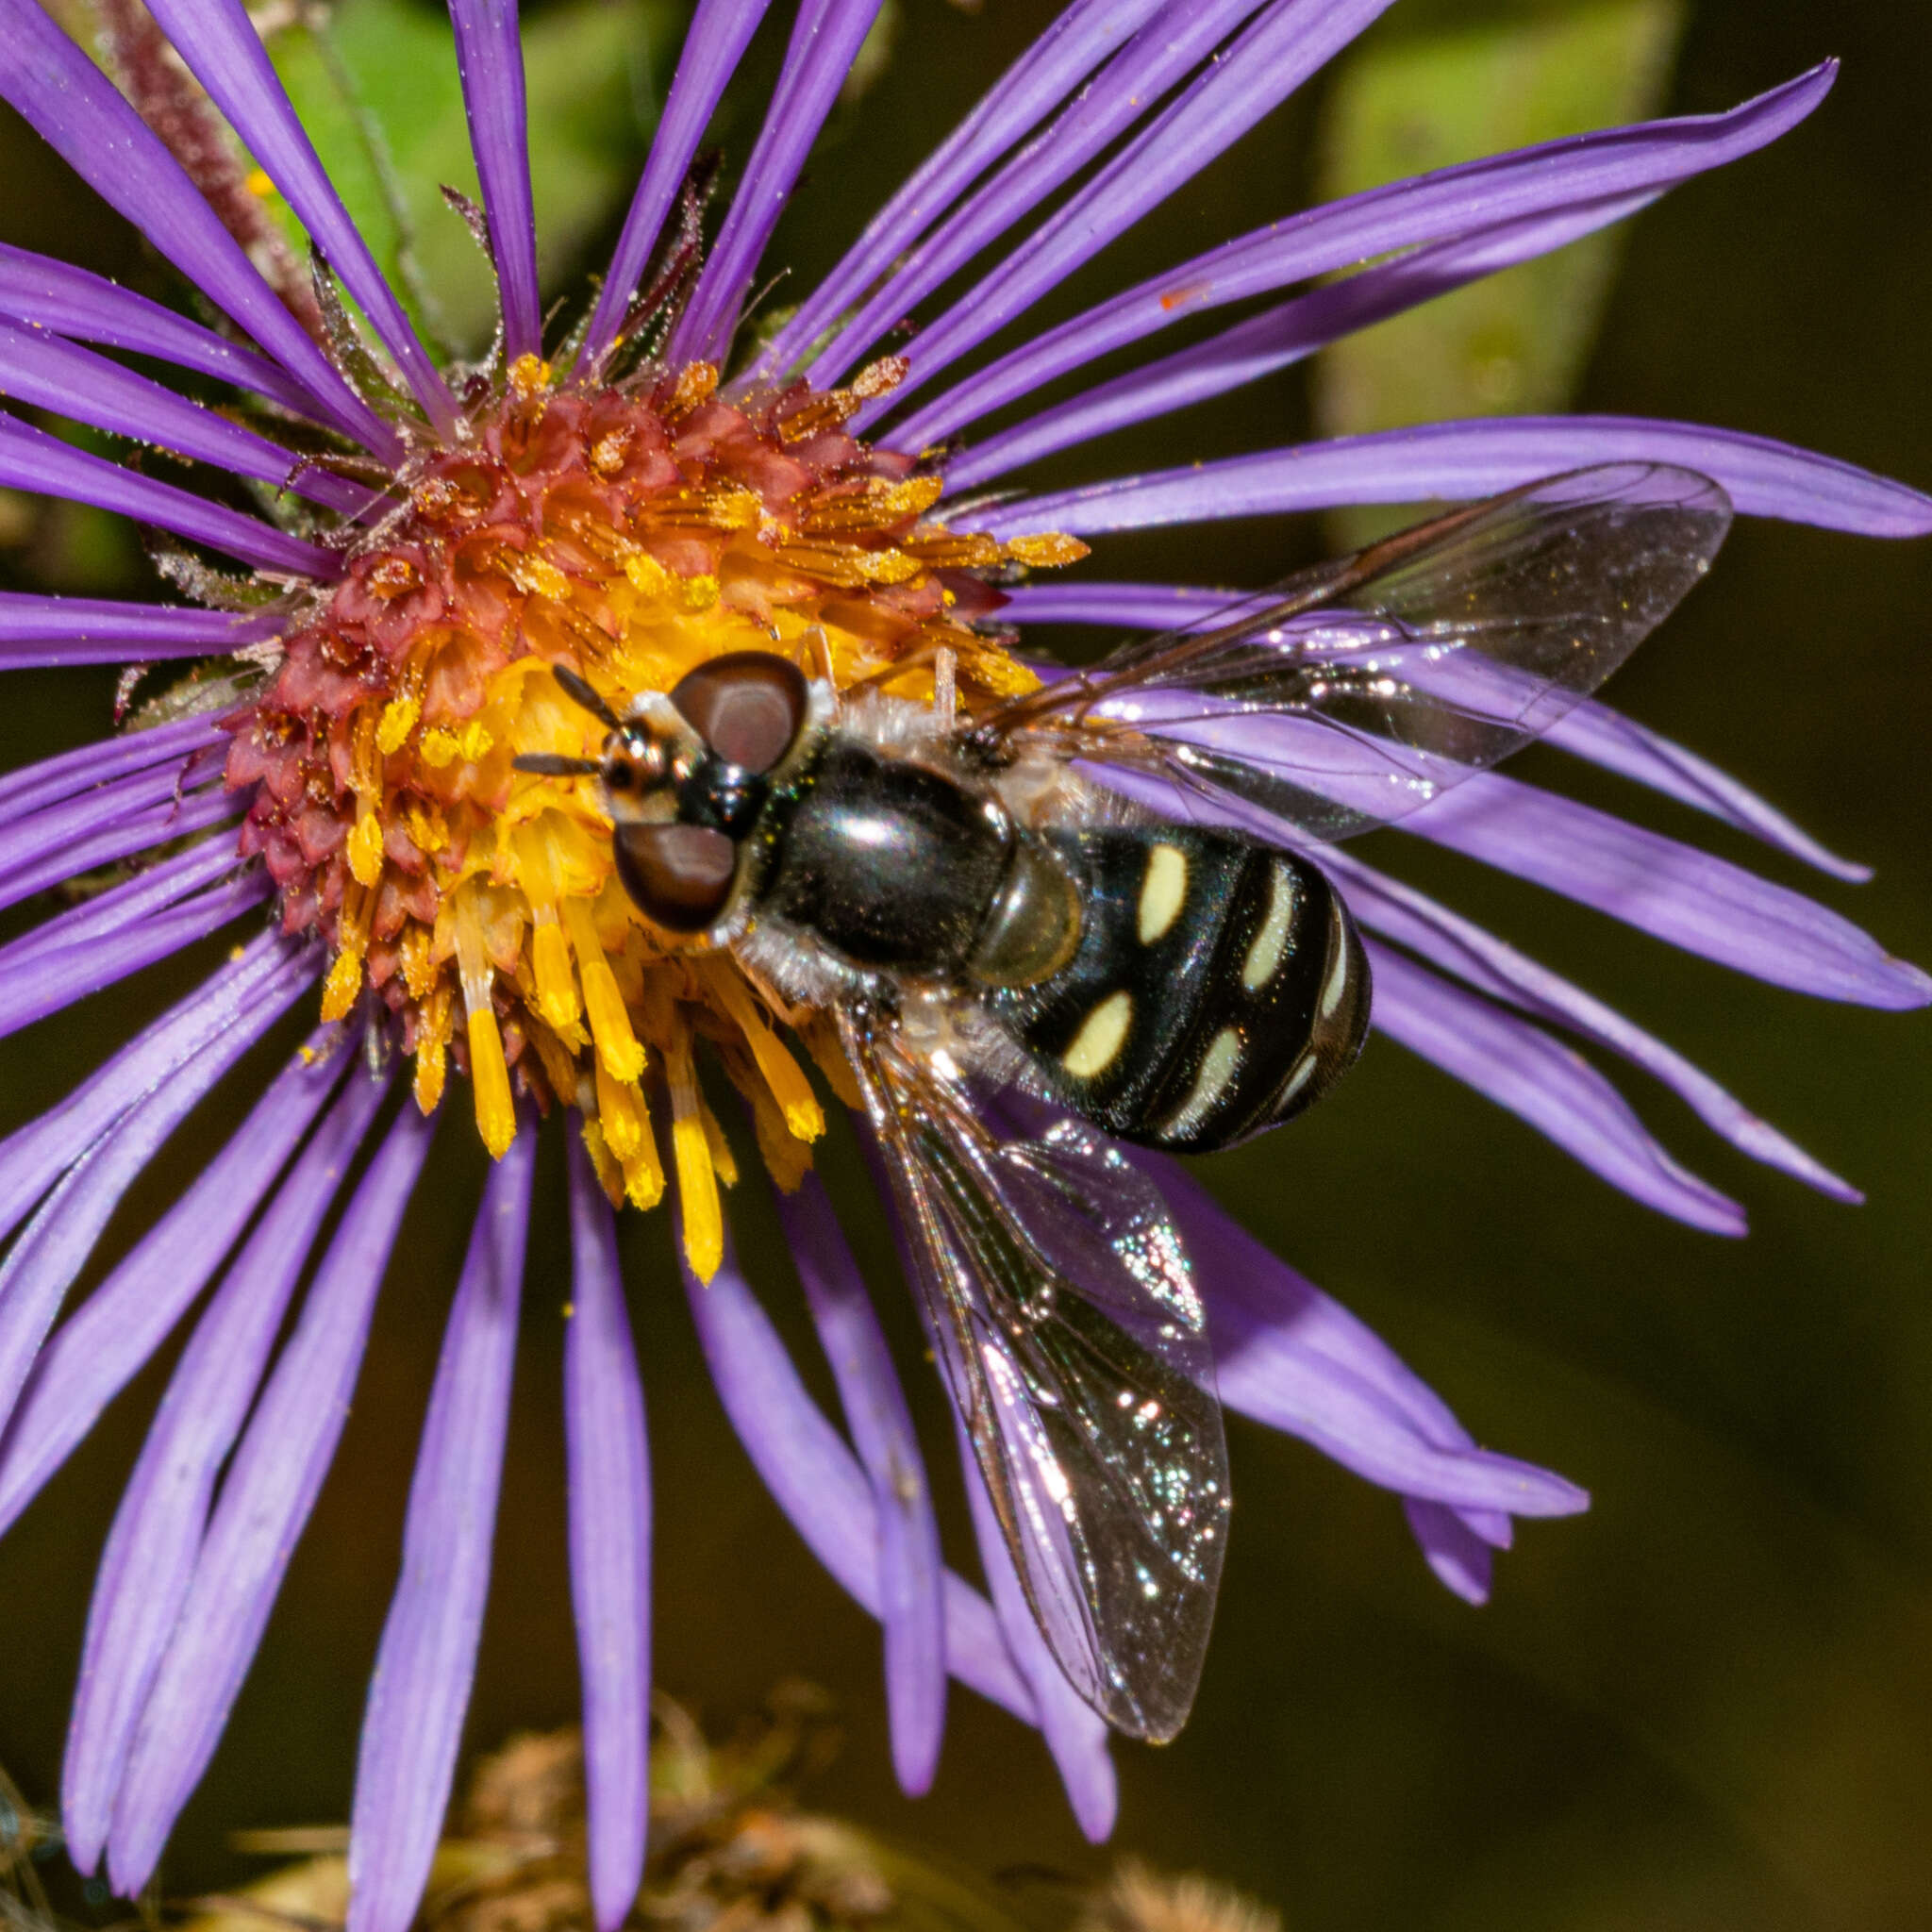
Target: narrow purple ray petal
point(34, 841)
point(1455, 945)
point(49, 374)
point(32, 459)
point(267, 976)
point(817, 1481)
point(1077, 39)
point(1291, 40)
point(1168, 47)
point(157, 1529)
point(880, 1426)
point(1296, 1359)
point(1623, 166)
point(103, 1345)
point(36, 785)
point(270, 1489)
point(101, 630)
point(112, 912)
point(713, 45)
point(223, 50)
point(1683, 896)
point(1557, 1091)
point(136, 831)
point(1619, 744)
point(823, 43)
point(490, 58)
point(1076, 1736)
point(427, 1658)
point(72, 106)
point(1477, 458)
point(41, 1265)
point(58, 977)
point(610, 1547)
point(1266, 343)
point(48, 294)
point(1462, 1560)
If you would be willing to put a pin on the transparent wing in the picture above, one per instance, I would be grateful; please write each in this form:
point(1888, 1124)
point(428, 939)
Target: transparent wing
point(1065, 1317)
point(1354, 693)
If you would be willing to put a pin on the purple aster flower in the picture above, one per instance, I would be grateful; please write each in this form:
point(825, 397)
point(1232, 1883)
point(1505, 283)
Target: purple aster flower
point(628, 495)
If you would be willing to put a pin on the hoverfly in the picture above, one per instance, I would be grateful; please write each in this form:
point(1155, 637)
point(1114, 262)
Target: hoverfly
point(980, 906)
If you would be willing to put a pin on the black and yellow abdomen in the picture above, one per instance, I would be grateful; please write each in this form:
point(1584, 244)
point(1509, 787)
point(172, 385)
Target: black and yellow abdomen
point(1218, 988)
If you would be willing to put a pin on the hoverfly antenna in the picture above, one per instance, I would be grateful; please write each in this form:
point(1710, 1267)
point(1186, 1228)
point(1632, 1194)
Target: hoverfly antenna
point(552, 764)
point(585, 693)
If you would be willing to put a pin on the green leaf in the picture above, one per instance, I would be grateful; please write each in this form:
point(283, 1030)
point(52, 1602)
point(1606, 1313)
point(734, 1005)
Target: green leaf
point(376, 83)
point(1452, 92)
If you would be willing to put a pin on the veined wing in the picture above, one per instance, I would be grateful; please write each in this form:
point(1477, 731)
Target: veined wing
point(1064, 1314)
point(1358, 691)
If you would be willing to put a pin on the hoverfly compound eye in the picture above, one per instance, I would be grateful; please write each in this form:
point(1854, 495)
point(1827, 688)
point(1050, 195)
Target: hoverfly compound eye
point(679, 876)
point(747, 705)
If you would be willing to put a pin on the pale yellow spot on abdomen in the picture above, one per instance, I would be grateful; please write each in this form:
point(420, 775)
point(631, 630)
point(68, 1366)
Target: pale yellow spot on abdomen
point(1264, 953)
point(1217, 1069)
point(1102, 1035)
point(1163, 891)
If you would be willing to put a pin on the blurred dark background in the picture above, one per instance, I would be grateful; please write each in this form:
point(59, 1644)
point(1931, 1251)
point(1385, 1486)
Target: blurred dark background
point(1706, 1703)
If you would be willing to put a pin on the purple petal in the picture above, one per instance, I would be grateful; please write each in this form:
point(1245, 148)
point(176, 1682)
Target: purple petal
point(1071, 45)
point(1170, 47)
point(1296, 1359)
point(112, 912)
point(60, 975)
point(42, 1264)
point(1620, 166)
point(1269, 341)
point(817, 1481)
point(823, 43)
point(270, 1489)
point(880, 1426)
point(48, 374)
point(119, 837)
point(1686, 897)
point(32, 459)
point(222, 49)
point(1557, 1091)
point(1291, 40)
point(427, 1661)
point(713, 45)
point(490, 58)
point(610, 1547)
point(1452, 945)
point(76, 109)
point(98, 630)
point(1076, 1736)
point(34, 838)
point(49, 294)
point(104, 1343)
point(265, 978)
point(34, 785)
point(1477, 458)
point(157, 1530)
point(1459, 1558)
point(1619, 744)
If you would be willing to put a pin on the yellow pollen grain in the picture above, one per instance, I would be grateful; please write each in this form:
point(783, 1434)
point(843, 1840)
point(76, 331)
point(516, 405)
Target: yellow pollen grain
point(432, 1051)
point(1045, 550)
point(528, 374)
point(497, 1117)
point(427, 827)
point(697, 594)
point(398, 720)
point(697, 1178)
point(539, 576)
point(259, 184)
point(440, 747)
point(647, 576)
point(618, 1049)
point(419, 970)
point(365, 849)
point(340, 988)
